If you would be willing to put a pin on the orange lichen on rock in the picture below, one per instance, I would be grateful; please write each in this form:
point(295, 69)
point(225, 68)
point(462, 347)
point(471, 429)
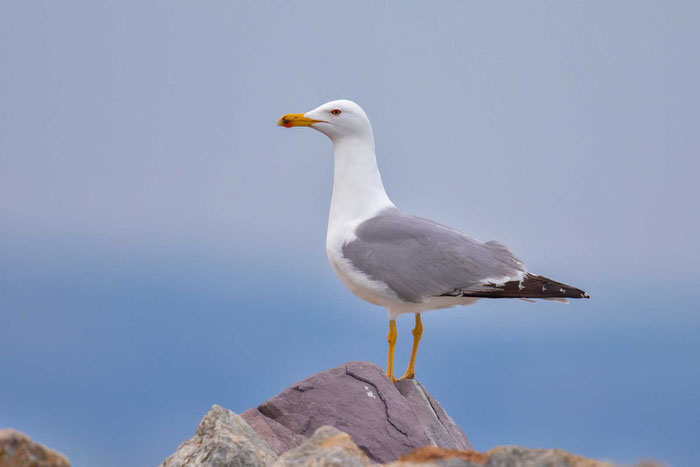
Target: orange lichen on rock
point(501, 455)
point(434, 453)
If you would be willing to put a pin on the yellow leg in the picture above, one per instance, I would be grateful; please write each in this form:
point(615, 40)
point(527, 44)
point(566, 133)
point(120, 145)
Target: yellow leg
point(417, 333)
point(391, 339)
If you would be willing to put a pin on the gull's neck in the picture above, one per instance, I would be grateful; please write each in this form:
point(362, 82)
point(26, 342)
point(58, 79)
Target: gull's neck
point(358, 191)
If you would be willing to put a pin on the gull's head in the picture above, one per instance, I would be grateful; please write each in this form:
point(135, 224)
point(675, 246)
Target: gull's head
point(336, 119)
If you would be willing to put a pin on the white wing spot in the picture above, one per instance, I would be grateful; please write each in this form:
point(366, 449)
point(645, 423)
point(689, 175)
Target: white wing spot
point(562, 290)
point(370, 394)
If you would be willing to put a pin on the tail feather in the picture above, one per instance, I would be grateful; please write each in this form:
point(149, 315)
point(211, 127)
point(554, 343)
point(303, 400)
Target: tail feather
point(531, 286)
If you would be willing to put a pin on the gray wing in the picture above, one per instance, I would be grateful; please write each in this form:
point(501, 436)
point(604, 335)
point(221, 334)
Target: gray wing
point(418, 258)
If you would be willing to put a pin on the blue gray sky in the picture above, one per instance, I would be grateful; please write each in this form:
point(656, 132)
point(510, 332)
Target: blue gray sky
point(163, 242)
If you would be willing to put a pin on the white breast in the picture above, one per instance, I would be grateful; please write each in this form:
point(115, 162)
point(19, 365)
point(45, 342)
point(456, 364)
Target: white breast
point(356, 281)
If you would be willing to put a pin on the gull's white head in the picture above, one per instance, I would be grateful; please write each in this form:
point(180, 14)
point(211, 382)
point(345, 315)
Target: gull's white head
point(336, 119)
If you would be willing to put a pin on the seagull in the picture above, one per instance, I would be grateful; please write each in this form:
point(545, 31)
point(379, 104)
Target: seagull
point(405, 263)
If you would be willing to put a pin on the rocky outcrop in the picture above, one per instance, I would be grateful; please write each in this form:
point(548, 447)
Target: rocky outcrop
point(351, 415)
point(330, 447)
point(386, 420)
point(222, 439)
point(18, 450)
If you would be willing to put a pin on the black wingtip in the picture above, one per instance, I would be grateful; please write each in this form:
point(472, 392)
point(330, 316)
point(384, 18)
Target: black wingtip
point(531, 286)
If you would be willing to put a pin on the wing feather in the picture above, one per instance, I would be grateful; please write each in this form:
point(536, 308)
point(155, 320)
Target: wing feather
point(418, 258)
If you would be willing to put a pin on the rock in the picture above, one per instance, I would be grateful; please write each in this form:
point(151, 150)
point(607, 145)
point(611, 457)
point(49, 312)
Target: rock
point(351, 415)
point(278, 437)
point(222, 439)
point(434, 456)
point(18, 450)
point(439, 426)
point(386, 420)
point(502, 456)
point(516, 456)
point(327, 447)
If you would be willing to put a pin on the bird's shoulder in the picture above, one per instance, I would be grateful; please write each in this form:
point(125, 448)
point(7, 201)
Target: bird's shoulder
point(393, 232)
point(392, 224)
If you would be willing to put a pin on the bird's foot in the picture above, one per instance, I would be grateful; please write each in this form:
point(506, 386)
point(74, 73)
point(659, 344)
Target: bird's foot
point(408, 375)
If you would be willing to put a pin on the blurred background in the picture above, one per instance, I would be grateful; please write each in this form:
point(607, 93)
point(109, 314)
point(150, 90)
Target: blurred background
point(162, 242)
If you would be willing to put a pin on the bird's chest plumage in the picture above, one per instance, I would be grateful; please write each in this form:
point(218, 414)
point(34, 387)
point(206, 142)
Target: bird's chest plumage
point(356, 281)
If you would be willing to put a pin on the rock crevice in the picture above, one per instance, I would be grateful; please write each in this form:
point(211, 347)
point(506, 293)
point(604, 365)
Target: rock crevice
point(381, 397)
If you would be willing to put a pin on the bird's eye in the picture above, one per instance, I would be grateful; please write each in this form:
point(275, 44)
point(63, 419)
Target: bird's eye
point(336, 112)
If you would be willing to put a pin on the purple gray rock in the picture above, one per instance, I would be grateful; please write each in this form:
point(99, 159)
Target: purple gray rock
point(386, 420)
point(222, 439)
point(439, 426)
point(18, 450)
point(278, 437)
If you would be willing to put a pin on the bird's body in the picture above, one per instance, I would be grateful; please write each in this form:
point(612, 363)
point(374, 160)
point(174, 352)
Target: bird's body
point(405, 263)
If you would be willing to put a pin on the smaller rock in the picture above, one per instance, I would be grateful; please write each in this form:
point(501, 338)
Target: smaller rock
point(327, 447)
point(501, 456)
point(18, 450)
point(222, 439)
point(516, 456)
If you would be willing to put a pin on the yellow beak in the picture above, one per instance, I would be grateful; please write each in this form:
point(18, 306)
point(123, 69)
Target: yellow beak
point(291, 120)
